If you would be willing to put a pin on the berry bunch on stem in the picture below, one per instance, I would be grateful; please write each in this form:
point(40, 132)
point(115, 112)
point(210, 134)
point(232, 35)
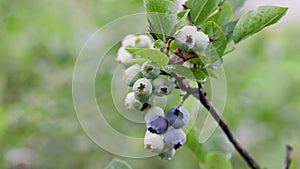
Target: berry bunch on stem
point(188, 47)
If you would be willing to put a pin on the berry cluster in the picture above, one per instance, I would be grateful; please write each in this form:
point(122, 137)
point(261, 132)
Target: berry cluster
point(162, 139)
point(189, 38)
point(164, 134)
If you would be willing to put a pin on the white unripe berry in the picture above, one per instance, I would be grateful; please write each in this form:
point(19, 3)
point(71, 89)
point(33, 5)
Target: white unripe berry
point(137, 41)
point(201, 42)
point(185, 38)
point(131, 103)
point(153, 142)
point(123, 56)
point(132, 74)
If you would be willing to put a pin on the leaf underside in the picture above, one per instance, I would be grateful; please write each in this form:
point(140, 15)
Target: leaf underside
point(255, 20)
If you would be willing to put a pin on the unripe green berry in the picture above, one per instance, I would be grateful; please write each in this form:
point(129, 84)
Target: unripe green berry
point(142, 89)
point(132, 74)
point(167, 154)
point(150, 70)
point(153, 142)
point(131, 103)
point(185, 37)
point(215, 65)
point(162, 86)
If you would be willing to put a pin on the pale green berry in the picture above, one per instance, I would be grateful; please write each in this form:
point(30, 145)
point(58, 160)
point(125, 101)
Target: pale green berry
point(159, 101)
point(131, 103)
point(185, 37)
point(150, 70)
point(201, 42)
point(162, 86)
point(215, 65)
point(167, 154)
point(142, 89)
point(123, 56)
point(132, 74)
point(153, 142)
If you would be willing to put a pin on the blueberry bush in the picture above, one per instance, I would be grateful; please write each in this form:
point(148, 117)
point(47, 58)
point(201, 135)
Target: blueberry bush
point(185, 45)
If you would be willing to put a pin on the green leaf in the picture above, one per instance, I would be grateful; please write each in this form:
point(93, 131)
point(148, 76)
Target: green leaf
point(210, 73)
point(172, 47)
point(218, 142)
point(118, 164)
point(212, 29)
point(138, 60)
point(162, 17)
point(236, 4)
point(198, 74)
point(183, 14)
point(217, 161)
point(151, 54)
point(192, 142)
point(223, 16)
point(257, 19)
point(201, 9)
point(192, 74)
point(159, 44)
point(228, 29)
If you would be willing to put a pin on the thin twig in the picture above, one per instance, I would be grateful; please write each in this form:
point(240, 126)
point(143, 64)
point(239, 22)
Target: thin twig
point(184, 97)
point(189, 16)
point(288, 158)
point(214, 112)
point(200, 94)
point(167, 47)
point(152, 34)
point(229, 51)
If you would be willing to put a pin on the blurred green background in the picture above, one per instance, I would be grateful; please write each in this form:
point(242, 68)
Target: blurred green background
point(39, 43)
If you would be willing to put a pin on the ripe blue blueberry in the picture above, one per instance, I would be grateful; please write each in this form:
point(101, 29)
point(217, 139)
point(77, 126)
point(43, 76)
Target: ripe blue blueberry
point(158, 124)
point(142, 89)
point(174, 138)
point(150, 70)
point(178, 117)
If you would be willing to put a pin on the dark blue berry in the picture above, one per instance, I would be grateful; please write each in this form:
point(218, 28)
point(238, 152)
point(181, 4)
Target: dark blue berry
point(178, 117)
point(158, 124)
